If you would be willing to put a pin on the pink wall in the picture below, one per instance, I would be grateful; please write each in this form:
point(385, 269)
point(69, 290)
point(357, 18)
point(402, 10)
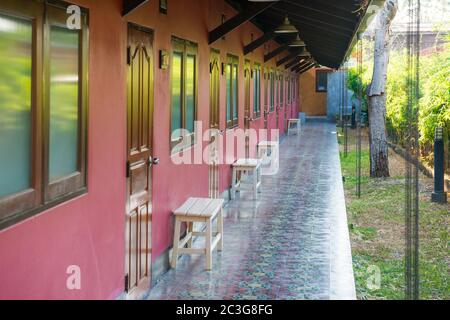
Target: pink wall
point(192, 20)
point(89, 231)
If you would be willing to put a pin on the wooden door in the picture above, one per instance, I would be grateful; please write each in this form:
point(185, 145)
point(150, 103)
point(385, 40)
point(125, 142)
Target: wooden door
point(214, 120)
point(266, 97)
point(139, 159)
point(247, 118)
point(277, 99)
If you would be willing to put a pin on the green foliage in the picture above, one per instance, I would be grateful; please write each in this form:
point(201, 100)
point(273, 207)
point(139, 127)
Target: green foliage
point(434, 94)
point(397, 96)
point(354, 82)
point(434, 105)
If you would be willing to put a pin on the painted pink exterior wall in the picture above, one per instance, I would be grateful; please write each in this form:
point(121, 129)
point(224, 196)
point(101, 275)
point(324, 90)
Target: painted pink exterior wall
point(89, 231)
point(191, 20)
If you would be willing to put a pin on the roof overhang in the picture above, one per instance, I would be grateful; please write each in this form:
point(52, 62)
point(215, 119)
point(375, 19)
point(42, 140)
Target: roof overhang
point(329, 28)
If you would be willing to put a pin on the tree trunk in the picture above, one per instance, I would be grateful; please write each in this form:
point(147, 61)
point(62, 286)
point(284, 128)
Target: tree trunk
point(379, 161)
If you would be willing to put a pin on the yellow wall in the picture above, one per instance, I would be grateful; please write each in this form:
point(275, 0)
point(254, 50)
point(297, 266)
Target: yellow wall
point(311, 102)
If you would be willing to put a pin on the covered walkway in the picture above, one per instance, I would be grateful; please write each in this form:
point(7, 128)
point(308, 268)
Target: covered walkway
point(292, 243)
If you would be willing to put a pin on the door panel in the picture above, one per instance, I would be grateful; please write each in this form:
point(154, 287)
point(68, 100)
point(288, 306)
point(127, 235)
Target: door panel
point(214, 101)
point(266, 97)
point(247, 118)
point(277, 100)
point(139, 158)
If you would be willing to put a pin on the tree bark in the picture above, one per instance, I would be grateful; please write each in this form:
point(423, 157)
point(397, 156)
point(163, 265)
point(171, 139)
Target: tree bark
point(379, 161)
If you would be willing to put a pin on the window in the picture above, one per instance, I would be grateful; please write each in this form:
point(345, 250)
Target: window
point(256, 90)
point(321, 81)
point(183, 93)
point(42, 123)
point(288, 84)
point(232, 94)
point(272, 91)
point(281, 90)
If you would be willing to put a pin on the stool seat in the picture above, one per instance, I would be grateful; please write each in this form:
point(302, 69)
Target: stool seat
point(268, 143)
point(200, 207)
point(245, 165)
point(204, 210)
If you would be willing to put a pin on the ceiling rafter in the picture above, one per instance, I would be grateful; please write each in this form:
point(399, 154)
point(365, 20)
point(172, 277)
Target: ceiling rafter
point(329, 12)
point(251, 10)
point(275, 52)
point(258, 42)
point(131, 5)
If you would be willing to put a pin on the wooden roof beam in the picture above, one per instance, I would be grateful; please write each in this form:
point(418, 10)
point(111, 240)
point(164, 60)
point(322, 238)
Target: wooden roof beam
point(287, 58)
point(301, 64)
point(251, 11)
point(258, 42)
point(131, 5)
point(305, 68)
point(275, 52)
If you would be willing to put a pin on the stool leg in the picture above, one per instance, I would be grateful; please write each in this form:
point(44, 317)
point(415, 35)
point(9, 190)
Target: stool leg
point(233, 185)
point(190, 229)
point(258, 172)
point(220, 230)
point(255, 184)
point(176, 239)
point(208, 242)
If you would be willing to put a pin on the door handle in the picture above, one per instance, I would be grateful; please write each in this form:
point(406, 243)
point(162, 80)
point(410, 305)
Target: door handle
point(153, 161)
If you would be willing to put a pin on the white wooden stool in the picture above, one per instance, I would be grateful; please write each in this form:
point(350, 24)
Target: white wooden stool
point(246, 166)
point(204, 210)
point(264, 148)
point(296, 122)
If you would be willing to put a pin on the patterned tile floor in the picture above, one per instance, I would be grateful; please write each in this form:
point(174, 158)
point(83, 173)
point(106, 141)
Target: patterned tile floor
point(292, 243)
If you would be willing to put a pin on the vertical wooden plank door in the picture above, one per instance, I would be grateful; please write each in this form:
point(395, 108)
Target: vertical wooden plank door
point(214, 120)
point(247, 118)
point(139, 159)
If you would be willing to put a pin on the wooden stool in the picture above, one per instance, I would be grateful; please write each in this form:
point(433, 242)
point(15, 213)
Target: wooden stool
point(296, 122)
point(264, 147)
point(244, 166)
point(204, 210)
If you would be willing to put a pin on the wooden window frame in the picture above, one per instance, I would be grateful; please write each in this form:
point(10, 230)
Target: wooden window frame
point(57, 15)
point(272, 91)
point(319, 71)
point(288, 85)
point(232, 61)
point(42, 193)
point(257, 78)
point(214, 95)
point(186, 48)
point(281, 90)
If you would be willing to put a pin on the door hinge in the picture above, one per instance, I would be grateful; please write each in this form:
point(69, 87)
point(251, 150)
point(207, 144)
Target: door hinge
point(127, 169)
point(129, 55)
point(127, 286)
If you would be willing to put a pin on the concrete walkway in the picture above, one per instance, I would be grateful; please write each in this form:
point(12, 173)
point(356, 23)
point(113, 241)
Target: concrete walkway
point(292, 243)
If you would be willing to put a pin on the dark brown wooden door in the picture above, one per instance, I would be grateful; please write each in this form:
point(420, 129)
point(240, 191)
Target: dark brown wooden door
point(247, 118)
point(214, 120)
point(266, 97)
point(277, 99)
point(140, 158)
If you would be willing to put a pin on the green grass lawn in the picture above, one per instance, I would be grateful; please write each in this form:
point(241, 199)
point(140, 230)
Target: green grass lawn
point(376, 224)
